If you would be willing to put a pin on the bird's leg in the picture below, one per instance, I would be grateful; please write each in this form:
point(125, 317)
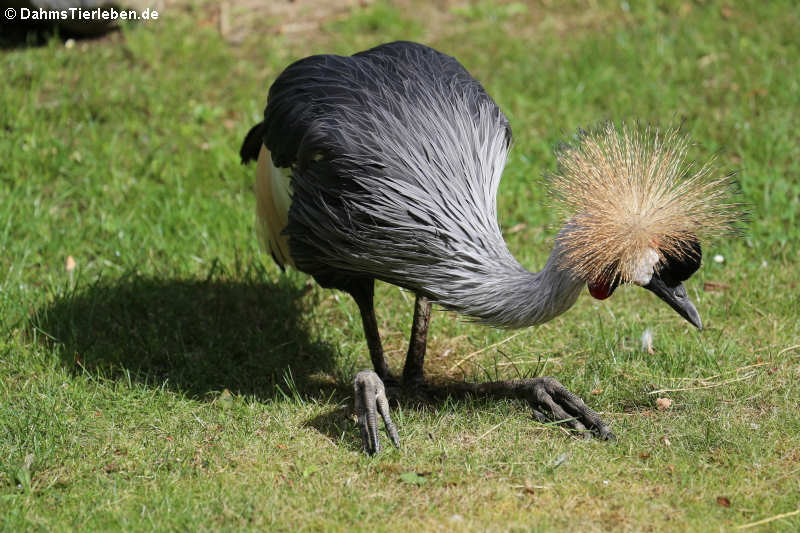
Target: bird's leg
point(550, 401)
point(363, 293)
point(369, 390)
point(412, 370)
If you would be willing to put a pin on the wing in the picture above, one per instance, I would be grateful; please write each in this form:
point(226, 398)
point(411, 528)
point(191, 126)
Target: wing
point(251, 146)
point(316, 94)
point(395, 154)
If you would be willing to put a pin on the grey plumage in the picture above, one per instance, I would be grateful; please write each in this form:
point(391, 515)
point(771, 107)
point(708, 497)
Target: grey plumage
point(396, 155)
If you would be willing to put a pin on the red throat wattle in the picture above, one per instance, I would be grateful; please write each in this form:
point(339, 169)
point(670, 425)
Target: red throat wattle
point(601, 289)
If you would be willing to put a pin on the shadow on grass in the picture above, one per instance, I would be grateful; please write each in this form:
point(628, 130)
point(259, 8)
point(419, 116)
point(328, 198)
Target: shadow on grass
point(247, 335)
point(339, 426)
point(196, 337)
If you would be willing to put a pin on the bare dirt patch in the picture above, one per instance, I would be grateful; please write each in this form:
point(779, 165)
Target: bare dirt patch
point(236, 19)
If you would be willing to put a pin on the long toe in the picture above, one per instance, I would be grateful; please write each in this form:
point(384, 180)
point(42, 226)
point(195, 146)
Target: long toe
point(547, 394)
point(371, 401)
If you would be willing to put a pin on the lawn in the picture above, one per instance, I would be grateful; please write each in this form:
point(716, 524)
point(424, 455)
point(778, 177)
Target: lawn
point(159, 372)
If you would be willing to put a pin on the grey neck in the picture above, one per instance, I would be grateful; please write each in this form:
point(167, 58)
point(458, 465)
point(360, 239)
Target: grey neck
point(501, 292)
point(532, 298)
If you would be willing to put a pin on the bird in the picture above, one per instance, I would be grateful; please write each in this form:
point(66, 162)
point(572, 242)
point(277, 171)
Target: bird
point(385, 165)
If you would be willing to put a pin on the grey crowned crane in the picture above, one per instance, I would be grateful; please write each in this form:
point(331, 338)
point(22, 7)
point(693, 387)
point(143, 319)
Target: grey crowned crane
point(385, 165)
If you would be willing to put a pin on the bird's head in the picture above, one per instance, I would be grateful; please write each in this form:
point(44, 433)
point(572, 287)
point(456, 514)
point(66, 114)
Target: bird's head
point(637, 212)
point(662, 276)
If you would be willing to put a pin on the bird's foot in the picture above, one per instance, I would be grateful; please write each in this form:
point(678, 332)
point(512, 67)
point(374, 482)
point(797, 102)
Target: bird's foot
point(551, 401)
point(371, 400)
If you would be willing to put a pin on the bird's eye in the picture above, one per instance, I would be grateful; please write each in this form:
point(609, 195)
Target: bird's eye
point(676, 268)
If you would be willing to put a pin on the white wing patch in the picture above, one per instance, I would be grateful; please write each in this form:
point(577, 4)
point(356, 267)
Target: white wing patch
point(273, 198)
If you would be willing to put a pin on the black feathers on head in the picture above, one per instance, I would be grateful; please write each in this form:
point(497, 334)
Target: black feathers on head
point(675, 269)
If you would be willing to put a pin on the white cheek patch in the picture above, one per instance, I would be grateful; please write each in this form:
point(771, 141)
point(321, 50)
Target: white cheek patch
point(644, 268)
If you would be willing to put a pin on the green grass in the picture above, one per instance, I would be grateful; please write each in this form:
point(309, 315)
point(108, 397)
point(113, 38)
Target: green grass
point(176, 380)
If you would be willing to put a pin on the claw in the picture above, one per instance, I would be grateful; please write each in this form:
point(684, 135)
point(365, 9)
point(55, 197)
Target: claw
point(370, 400)
point(563, 405)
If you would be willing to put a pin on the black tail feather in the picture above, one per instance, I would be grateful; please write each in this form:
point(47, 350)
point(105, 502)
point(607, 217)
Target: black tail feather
point(252, 143)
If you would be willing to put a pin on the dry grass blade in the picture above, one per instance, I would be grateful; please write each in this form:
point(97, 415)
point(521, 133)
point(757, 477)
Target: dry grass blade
point(488, 431)
point(477, 352)
point(706, 385)
point(770, 519)
point(788, 349)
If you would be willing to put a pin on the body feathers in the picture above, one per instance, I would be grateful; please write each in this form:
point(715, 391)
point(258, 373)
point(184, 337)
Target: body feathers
point(395, 156)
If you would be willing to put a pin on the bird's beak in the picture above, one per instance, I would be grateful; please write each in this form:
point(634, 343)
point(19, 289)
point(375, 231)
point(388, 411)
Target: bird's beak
point(677, 299)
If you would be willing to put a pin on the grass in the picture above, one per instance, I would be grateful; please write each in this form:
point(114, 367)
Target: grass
point(176, 380)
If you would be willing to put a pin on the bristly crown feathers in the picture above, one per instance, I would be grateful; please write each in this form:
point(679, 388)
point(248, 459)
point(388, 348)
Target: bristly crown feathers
point(629, 189)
